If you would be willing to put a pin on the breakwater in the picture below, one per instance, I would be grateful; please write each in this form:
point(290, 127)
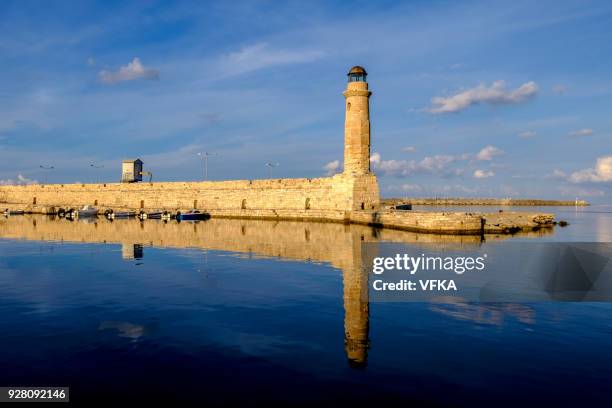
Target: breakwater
point(481, 201)
point(447, 223)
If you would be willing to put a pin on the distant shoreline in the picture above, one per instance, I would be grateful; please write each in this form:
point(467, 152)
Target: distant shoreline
point(482, 201)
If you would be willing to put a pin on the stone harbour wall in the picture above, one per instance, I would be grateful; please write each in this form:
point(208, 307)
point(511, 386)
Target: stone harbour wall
point(338, 193)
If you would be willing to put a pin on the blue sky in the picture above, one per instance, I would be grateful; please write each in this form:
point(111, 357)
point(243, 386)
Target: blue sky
point(495, 99)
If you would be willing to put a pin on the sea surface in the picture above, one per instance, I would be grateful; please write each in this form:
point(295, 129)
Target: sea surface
point(260, 312)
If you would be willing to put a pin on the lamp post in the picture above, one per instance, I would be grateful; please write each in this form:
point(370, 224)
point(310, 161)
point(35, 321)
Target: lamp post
point(97, 167)
point(270, 166)
point(46, 168)
point(205, 156)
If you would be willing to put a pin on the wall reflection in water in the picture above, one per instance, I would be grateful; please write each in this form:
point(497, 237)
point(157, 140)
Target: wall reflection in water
point(336, 244)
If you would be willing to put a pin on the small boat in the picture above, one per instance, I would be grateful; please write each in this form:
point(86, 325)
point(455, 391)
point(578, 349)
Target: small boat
point(87, 211)
point(193, 215)
point(13, 212)
point(111, 215)
point(158, 215)
point(123, 214)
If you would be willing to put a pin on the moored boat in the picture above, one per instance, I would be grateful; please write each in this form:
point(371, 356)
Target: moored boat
point(87, 211)
point(193, 215)
point(13, 212)
point(123, 214)
point(111, 215)
point(157, 215)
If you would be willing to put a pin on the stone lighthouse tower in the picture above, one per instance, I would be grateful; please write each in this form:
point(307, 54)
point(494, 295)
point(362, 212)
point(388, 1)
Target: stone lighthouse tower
point(357, 123)
point(357, 141)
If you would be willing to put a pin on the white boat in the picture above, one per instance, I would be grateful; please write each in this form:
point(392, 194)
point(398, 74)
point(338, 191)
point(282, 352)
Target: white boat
point(87, 211)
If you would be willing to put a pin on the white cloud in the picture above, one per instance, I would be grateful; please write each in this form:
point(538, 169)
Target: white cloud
point(558, 174)
point(488, 152)
point(439, 164)
point(409, 149)
point(375, 159)
point(582, 132)
point(496, 94)
point(527, 134)
point(21, 180)
point(456, 188)
point(261, 55)
point(332, 167)
point(133, 70)
point(601, 173)
point(480, 174)
point(445, 165)
point(91, 61)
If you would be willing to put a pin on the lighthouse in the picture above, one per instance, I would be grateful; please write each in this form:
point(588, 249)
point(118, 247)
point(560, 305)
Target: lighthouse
point(362, 183)
point(357, 123)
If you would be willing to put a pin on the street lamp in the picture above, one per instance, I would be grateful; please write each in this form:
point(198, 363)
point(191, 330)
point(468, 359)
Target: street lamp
point(270, 166)
point(205, 156)
point(46, 168)
point(97, 167)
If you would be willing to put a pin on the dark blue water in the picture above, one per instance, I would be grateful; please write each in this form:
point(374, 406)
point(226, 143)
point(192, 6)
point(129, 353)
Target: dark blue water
point(216, 326)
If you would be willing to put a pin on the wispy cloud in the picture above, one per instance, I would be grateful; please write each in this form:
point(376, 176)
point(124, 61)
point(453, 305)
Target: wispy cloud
point(458, 65)
point(582, 132)
point(409, 149)
point(602, 172)
point(405, 188)
point(438, 164)
point(496, 94)
point(528, 134)
point(575, 191)
point(262, 55)
point(21, 180)
point(557, 174)
point(436, 190)
point(132, 71)
point(411, 187)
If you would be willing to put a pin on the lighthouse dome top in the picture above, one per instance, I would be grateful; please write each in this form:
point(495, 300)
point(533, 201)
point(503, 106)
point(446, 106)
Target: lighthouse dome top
point(358, 70)
point(357, 74)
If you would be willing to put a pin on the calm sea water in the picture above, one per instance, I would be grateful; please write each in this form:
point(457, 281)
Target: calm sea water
point(229, 311)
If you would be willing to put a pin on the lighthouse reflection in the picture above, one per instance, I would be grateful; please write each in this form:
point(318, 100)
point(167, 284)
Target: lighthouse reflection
point(336, 244)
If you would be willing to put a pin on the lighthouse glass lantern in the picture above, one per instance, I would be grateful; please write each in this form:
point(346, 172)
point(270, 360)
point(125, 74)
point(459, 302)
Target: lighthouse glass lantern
point(357, 74)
